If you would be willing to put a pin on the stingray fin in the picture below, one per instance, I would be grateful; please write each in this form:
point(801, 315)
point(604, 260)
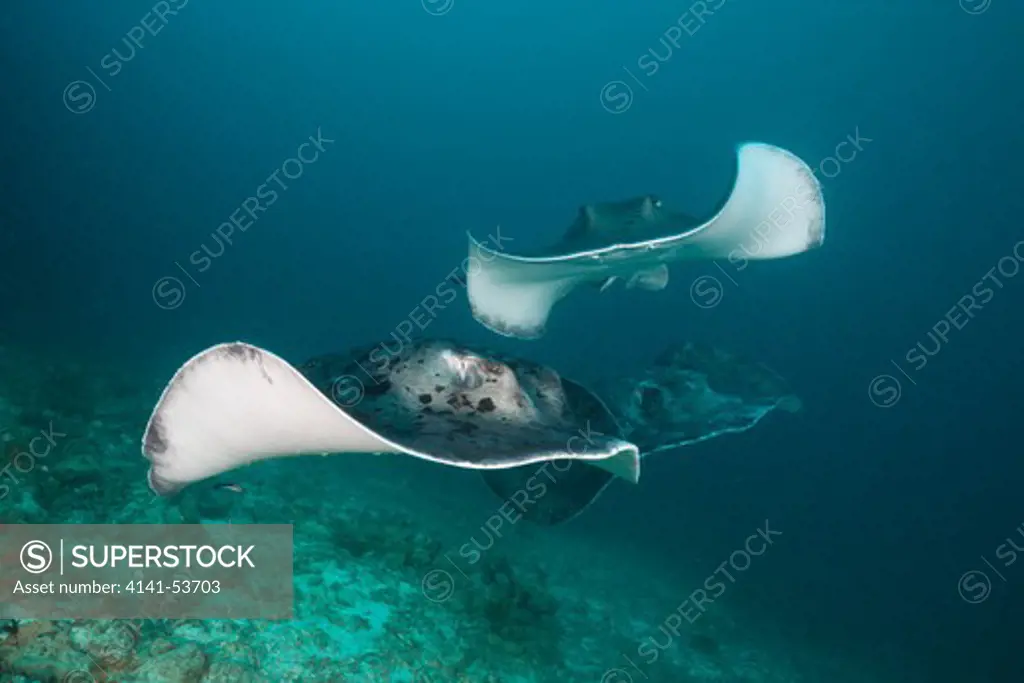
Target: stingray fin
point(608, 282)
point(234, 404)
point(562, 490)
point(776, 209)
point(654, 280)
point(508, 301)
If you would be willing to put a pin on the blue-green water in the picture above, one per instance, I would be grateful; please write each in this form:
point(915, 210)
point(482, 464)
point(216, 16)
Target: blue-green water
point(301, 176)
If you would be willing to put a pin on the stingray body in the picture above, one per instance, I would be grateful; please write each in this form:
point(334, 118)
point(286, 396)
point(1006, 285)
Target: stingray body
point(694, 392)
point(234, 404)
point(691, 393)
point(775, 209)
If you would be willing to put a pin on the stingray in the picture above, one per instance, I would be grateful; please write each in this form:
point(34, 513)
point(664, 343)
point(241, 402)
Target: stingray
point(775, 209)
point(234, 404)
point(691, 393)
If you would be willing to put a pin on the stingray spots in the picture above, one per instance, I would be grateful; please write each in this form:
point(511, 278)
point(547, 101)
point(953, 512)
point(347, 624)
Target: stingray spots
point(438, 388)
point(246, 354)
point(485, 405)
point(457, 401)
point(377, 388)
point(240, 351)
point(425, 398)
point(155, 443)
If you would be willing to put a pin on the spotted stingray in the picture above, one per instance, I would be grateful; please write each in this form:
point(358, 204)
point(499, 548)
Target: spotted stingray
point(775, 209)
point(691, 393)
point(234, 404)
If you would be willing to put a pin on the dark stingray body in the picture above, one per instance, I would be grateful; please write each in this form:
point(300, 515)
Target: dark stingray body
point(461, 405)
point(694, 392)
point(628, 221)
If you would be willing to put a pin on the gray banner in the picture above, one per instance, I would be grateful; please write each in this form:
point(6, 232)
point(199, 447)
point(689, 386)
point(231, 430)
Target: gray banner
point(148, 571)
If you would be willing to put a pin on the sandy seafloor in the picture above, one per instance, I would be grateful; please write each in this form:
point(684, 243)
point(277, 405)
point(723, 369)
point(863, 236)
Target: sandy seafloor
point(376, 596)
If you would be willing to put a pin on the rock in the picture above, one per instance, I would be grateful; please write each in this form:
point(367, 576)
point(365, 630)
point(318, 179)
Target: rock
point(110, 644)
point(160, 646)
point(44, 653)
point(70, 666)
point(185, 664)
point(223, 671)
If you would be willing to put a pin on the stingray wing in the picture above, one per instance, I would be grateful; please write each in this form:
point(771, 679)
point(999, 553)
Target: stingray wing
point(549, 493)
point(776, 205)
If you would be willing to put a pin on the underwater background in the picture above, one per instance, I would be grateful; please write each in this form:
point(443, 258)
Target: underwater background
point(897, 490)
